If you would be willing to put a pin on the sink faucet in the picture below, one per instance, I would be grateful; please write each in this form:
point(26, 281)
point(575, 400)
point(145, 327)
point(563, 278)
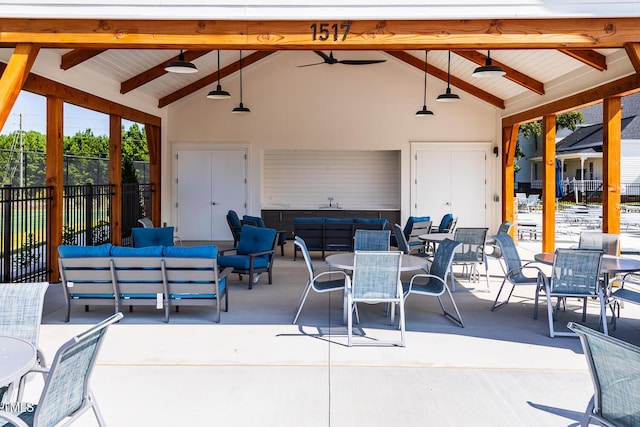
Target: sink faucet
point(330, 201)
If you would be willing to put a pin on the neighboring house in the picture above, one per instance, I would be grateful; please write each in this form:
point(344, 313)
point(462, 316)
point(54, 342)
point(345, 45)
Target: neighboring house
point(580, 153)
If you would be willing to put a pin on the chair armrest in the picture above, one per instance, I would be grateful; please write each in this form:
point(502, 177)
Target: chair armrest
point(13, 419)
point(224, 251)
point(325, 273)
point(224, 273)
point(255, 254)
point(526, 266)
point(426, 275)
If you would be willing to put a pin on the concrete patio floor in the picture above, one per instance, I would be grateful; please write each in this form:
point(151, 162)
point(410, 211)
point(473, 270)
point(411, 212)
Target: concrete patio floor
point(257, 369)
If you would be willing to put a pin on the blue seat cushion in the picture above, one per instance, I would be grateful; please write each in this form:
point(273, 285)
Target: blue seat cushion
point(309, 220)
point(159, 236)
point(204, 251)
point(125, 251)
point(381, 221)
point(80, 296)
point(339, 220)
point(68, 251)
point(258, 220)
point(255, 239)
point(241, 262)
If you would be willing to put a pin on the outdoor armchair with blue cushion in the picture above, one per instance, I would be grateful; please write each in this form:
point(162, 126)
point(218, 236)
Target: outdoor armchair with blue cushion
point(376, 279)
point(254, 253)
point(371, 240)
point(259, 222)
point(575, 274)
point(20, 316)
point(66, 394)
point(332, 280)
point(614, 366)
point(514, 268)
point(408, 226)
point(447, 224)
point(436, 280)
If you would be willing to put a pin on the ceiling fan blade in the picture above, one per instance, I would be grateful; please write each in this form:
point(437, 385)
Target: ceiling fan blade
point(327, 58)
point(361, 61)
point(309, 65)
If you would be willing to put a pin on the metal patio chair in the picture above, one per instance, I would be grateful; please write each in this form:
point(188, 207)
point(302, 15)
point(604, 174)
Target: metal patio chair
point(376, 279)
point(607, 242)
point(514, 268)
point(575, 274)
point(471, 252)
point(436, 279)
point(66, 394)
point(20, 317)
point(327, 284)
point(614, 366)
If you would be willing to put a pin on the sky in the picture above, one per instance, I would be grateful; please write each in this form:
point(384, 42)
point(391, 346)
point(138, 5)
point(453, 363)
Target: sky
point(33, 109)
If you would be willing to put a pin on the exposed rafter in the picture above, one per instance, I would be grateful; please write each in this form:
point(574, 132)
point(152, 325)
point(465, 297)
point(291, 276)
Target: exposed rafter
point(589, 57)
point(157, 71)
point(212, 78)
point(633, 52)
point(563, 33)
point(442, 75)
point(78, 56)
point(513, 75)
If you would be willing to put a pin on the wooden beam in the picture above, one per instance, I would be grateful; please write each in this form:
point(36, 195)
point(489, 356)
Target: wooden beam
point(549, 183)
point(211, 78)
point(115, 177)
point(78, 56)
point(589, 57)
point(513, 75)
point(633, 52)
point(611, 143)
point(154, 145)
point(157, 71)
point(55, 177)
point(13, 77)
point(455, 81)
point(622, 87)
point(509, 142)
point(561, 33)
point(45, 87)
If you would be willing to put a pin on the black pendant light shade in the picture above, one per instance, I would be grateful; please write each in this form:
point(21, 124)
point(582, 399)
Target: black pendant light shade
point(181, 66)
point(218, 93)
point(448, 96)
point(488, 69)
point(425, 111)
point(241, 109)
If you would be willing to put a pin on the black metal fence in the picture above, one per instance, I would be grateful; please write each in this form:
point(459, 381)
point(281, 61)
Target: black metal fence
point(25, 248)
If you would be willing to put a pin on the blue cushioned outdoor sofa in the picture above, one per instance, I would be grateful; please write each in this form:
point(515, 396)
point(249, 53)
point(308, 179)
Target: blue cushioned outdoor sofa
point(160, 276)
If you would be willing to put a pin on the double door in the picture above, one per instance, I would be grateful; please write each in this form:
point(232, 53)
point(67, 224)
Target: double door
point(451, 178)
point(209, 183)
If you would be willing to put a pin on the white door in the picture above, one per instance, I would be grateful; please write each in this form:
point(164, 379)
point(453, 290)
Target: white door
point(451, 180)
point(209, 184)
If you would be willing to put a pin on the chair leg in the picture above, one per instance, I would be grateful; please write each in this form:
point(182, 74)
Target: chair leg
point(550, 311)
point(497, 304)
point(456, 319)
point(349, 321)
point(303, 298)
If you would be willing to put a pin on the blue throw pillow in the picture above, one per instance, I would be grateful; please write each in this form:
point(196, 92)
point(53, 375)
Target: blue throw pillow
point(259, 222)
point(125, 251)
point(205, 251)
point(160, 236)
point(84, 251)
point(255, 239)
point(339, 220)
point(381, 221)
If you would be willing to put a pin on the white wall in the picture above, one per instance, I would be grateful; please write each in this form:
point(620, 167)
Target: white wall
point(337, 107)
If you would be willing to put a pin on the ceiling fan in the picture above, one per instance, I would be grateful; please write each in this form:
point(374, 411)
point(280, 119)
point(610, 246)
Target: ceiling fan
point(329, 59)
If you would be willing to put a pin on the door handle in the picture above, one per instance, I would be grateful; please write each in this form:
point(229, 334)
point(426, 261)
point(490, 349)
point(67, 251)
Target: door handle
point(214, 203)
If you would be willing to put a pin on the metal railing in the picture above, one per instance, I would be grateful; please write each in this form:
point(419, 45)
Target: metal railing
point(25, 248)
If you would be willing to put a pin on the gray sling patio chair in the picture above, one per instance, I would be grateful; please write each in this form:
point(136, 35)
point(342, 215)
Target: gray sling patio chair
point(614, 366)
point(514, 268)
point(66, 394)
point(607, 242)
point(575, 274)
point(376, 279)
point(371, 240)
point(471, 252)
point(20, 317)
point(493, 249)
point(436, 280)
point(328, 283)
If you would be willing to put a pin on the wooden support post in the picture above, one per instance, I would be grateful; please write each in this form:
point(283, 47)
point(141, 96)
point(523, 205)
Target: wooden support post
point(153, 144)
point(611, 135)
point(549, 183)
point(14, 76)
point(115, 177)
point(55, 177)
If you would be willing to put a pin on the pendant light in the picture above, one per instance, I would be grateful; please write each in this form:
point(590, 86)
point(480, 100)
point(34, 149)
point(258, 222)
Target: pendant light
point(241, 109)
point(181, 66)
point(425, 112)
point(219, 93)
point(448, 96)
point(488, 69)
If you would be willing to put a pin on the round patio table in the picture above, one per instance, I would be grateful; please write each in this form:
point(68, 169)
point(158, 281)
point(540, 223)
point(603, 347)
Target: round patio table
point(17, 356)
point(344, 261)
point(610, 263)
